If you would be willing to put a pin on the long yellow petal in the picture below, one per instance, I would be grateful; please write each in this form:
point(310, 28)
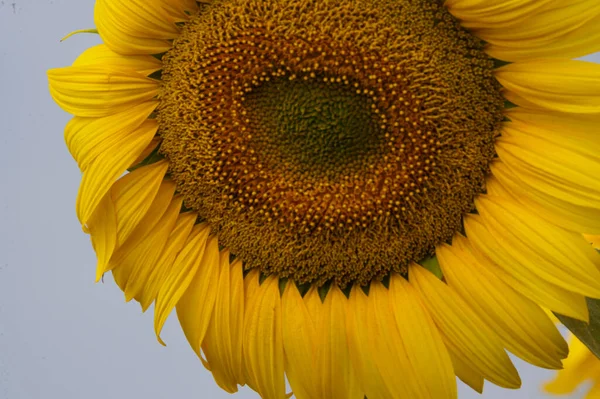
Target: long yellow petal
point(262, 342)
point(223, 341)
point(494, 13)
point(133, 27)
point(92, 91)
point(194, 309)
point(485, 242)
point(101, 55)
point(583, 40)
point(529, 193)
point(143, 258)
point(87, 138)
point(475, 343)
point(361, 342)
point(146, 226)
point(580, 366)
point(556, 84)
point(551, 31)
point(299, 344)
point(556, 164)
point(175, 244)
point(337, 379)
point(103, 231)
point(424, 347)
point(133, 195)
point(558, 256)
point(523, 327)
point(179, 279)
point(108, 166)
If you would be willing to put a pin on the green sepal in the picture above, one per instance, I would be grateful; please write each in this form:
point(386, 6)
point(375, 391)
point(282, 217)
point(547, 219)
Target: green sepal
point(589, 334)
point(433, 266)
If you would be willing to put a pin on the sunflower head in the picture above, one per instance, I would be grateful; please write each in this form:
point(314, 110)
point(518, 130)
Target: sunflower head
point(284, 173)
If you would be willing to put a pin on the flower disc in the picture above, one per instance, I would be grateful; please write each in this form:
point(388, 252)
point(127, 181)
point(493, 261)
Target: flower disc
point(327, 139)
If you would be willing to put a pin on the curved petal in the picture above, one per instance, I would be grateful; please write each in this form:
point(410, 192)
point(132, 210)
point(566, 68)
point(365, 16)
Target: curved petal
point(196, 305)
point(133, 195)
point(523, 327)
point(184, 270)
point(102, 227)
point(299, 344)
point(125, 252)
point(174, 245)
point(556, 84)
point(488, 245)
point(579, 366)
point(108, 166)
point(102, 56)
point(87, 138)
point(494, 13)
point(136, 267)
point(424, 346)
point(223, 341)
point(133, 27)
point(556, 210)
point(562, 167)
point(92, 91)
point(471, 339)
point(262, 342)
point(336, 377)
point(361, 344)
point(560, 257)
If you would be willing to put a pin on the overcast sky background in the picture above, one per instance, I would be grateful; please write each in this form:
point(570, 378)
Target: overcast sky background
point(61, 335)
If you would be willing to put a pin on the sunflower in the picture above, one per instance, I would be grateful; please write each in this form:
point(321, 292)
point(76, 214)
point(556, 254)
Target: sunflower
point(580, 366)
point(361, 197)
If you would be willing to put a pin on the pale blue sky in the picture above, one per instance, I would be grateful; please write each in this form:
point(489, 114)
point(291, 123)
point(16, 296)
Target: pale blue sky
point(61, 335)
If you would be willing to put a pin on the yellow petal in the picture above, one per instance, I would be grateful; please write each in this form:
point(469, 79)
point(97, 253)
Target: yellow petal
point(558, 256)
point(423, 344)
point(299, 344)
point(549, 32)
point(593, 239)
point(194, 309)
point(529, 193)
point(133, 195)
point(363, 349)
point(262, 342)
point(133, 27)
point(583, 40)
point(556, 84)
point(336, 377)
point(464, 371)
point(179, 279)
point(92, 91)
point(128, 249)
point(101, 55)
point(142, 259)
point(487, 244)
point(147, 151)
point(108, 166)
point(87, 138)
point(103, 231)
point(175, 243)
point(223, 341)
point(580, 366)
point(472, 340)
point(523, 327)
point(557, 165)
point(494, 13)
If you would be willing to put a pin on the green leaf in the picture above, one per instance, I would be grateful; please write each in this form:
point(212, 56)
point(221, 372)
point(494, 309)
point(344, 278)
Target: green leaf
point(589, 334)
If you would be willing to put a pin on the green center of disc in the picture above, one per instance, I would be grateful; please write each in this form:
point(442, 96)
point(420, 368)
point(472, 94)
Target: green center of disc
point(312, 127)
